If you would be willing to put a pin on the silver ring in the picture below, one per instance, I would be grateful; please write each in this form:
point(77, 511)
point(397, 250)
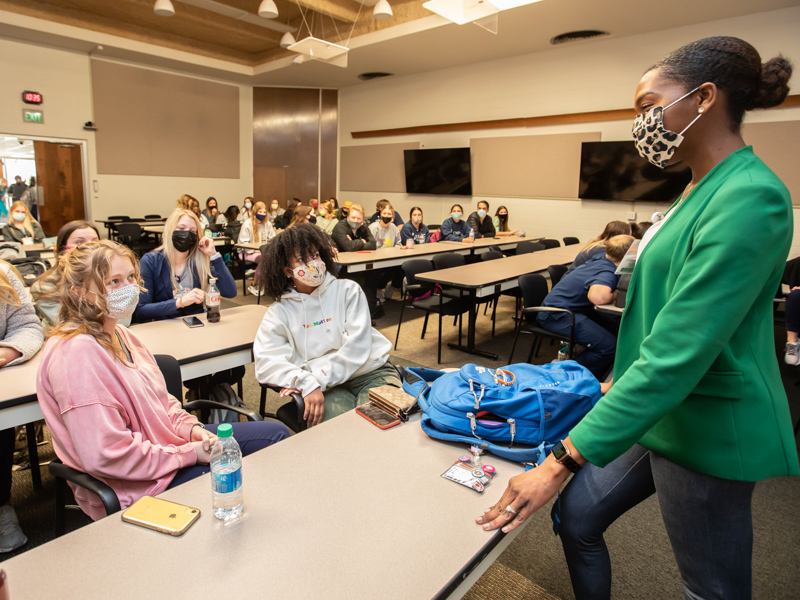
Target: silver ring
point(511, 510)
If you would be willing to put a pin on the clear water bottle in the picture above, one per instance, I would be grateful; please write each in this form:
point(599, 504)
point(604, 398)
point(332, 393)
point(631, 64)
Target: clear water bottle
point(227, 496)
point(471, 234)
point(212, 301)
point(563, 350)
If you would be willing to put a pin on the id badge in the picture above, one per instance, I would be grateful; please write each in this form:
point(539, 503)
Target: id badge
point(474, 477)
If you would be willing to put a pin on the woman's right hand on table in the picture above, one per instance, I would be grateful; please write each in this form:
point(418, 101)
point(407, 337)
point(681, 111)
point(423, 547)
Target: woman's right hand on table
point(195, 296)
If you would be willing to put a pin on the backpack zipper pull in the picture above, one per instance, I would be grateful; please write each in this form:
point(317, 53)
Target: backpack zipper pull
point(512, 423)
point(473, 425)
point(474, 395)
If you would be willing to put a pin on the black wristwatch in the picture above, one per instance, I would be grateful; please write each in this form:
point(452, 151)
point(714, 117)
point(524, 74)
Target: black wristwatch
point(561, 454)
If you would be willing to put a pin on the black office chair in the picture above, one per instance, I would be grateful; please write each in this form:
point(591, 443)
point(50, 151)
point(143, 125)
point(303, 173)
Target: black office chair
point(571, 241)
point(119, 218)
point(434, 227)
point(528, 246)
point(435, 303)
point(130, 234)
point(556, 272)
point(534, 290)
point(152, 217)
point(171, 371)
point(550, 243)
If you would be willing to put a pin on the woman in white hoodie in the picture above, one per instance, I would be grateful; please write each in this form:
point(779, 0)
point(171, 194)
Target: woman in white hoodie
point(317, 338)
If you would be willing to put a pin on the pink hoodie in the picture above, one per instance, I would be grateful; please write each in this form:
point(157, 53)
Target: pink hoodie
point(111, 419)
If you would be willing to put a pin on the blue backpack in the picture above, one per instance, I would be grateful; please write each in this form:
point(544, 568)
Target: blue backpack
point(526, 408)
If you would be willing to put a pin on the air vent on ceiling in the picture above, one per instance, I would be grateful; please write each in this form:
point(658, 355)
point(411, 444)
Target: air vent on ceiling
point(373, 75)
point(574, 36)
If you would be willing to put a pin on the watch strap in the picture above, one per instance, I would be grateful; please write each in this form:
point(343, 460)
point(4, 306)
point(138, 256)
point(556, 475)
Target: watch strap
point(566, 458)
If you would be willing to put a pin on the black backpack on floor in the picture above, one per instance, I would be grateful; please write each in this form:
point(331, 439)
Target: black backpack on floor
point(30, 268)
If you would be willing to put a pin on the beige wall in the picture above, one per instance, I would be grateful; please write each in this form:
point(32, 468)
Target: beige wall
point(591, 76)
point(64, 79)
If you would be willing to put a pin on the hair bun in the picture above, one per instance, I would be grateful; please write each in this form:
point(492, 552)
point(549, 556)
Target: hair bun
point(773, 85)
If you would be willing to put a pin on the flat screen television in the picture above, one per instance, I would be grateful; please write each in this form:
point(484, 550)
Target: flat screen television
point(615, 171)
point(440, 171)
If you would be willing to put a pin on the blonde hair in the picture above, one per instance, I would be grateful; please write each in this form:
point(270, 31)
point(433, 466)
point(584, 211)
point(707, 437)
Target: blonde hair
point(330, 211)
point(617, 246)
point(185, 202)
point(28, 218)
point(611, 229)
point(357, 208)
point(197, 261)
point(83, 267)
point(254, 220)
point(8, 292)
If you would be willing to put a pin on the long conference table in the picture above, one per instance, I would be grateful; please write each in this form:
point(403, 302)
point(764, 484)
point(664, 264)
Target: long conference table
point(487, 278)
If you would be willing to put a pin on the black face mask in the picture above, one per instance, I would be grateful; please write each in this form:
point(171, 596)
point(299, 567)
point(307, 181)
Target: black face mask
point(312, 219)
point(386, 220)
point(184, 240)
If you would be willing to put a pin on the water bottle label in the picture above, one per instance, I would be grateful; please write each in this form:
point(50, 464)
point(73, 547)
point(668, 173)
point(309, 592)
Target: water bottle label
point(224, 483)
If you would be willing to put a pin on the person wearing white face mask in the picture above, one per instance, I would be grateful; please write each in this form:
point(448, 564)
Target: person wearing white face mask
point(480, 221)
point(456, 229)
point(246, 211)
point(22, 226)
point(316, 339)
point(275, 210)
point(104, 398)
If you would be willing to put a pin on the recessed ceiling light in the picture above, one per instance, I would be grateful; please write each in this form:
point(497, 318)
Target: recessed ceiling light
point(373, 75)
point(574, 36)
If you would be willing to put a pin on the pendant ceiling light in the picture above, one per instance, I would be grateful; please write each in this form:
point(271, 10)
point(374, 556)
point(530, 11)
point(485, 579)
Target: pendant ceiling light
point(382, 11)
point(268, 9)
point(287, 39)
point(164, 8)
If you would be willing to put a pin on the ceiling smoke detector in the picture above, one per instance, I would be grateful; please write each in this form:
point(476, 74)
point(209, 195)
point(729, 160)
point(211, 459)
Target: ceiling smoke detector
point(373, 75)
point(574, 36)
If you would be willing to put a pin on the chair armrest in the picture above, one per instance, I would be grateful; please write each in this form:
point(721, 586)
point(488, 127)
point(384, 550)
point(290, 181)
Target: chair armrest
point(251, 415)
point(84, 480)
point(551, 309)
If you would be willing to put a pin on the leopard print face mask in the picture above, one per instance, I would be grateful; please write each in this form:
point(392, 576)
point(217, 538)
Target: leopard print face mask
point(655, 142)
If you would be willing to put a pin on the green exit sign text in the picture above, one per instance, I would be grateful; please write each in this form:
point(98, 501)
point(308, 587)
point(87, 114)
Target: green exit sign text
point(32, 116)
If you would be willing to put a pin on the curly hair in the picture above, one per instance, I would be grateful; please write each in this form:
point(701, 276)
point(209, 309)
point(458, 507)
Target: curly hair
point(301, 240)
point(735, 67)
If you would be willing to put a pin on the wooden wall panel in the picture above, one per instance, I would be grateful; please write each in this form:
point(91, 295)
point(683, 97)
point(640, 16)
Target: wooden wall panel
point(329, 146)
point(374, 168)
point(535, 166)
point(59, 177)
point(777, 145)
point(154, 123)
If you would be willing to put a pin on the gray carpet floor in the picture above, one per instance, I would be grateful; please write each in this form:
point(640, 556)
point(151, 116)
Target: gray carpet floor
point(643, 563)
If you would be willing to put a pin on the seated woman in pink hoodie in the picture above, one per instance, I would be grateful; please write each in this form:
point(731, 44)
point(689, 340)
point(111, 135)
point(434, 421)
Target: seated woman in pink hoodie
point(103, 395)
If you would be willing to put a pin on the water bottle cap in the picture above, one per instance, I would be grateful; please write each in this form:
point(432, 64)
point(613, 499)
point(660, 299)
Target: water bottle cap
point(212, 280)
point(225, 430)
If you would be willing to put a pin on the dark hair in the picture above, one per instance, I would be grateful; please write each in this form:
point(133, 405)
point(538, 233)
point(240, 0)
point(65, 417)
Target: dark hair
point(276, 255)
point(232, 213)
point(483, 202)
point(639, 229)
point(210, 199)
point(411, 212)
point(459, 206)
point(252, 200)
point(68, 229)
point(299, 216)
point(503, 222)
point(33, 181)
point(612, 229)
point(735, 67)
point(381, 204)
point(335, 202)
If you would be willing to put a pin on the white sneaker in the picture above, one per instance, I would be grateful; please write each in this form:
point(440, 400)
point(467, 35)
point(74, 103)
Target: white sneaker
point(792, 353)
point(11, 535)
point(379, 296)
point(249, 272)
point(253, 290)
point(388, 291)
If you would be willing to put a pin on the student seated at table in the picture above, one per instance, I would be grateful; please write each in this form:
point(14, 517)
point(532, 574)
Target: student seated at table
point(175, 275)
point(256, 230)
point(302, 214)
point(639, 229)
point(415, 229)
point(326, 220)
point(20, 338)
point(353, 235)
point(316, 339)
point(379, 206)
point(246, 211)
point(598, 245)
point(22, 226)
point(212, 213)
point(455, 228)
point(387, 236)
point(341, 213)
point(103, 396)
point(275, 210)
point(481, 222)
point(593, 283)
point(232, 214)
point(194, 206)
point(45, 291)
point(500, 222)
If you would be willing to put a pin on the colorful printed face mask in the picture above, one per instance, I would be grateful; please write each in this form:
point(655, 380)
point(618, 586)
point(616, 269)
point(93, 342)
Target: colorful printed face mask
point(311, 274)
point(121, 303)
point(656, 143)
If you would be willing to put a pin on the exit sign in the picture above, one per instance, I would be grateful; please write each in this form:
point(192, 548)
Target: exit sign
point(32, 116)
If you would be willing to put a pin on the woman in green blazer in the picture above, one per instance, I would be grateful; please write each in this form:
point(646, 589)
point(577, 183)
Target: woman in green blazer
point(697, 412)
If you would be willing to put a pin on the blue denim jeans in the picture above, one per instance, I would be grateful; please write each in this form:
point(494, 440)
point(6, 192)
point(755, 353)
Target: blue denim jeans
point(708, 521)
point(595, 331)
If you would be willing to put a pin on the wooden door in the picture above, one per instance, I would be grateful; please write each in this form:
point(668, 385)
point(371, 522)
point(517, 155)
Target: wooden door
point(59, 176)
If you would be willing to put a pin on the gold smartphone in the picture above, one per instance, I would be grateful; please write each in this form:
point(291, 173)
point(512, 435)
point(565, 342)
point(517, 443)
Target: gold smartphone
point(161, 515)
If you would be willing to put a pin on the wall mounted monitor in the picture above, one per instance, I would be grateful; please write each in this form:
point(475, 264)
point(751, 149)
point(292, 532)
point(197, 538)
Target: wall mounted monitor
point(440, 171)
point(615, 171)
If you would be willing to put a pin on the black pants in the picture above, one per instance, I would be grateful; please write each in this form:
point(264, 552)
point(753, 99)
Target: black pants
point(368, 281)
point(7, 439)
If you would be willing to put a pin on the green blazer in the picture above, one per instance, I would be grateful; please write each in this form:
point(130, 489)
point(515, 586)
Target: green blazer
point(696, 378)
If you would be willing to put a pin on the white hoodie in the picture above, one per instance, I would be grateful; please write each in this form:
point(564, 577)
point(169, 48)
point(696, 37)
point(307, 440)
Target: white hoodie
point(318, 340)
